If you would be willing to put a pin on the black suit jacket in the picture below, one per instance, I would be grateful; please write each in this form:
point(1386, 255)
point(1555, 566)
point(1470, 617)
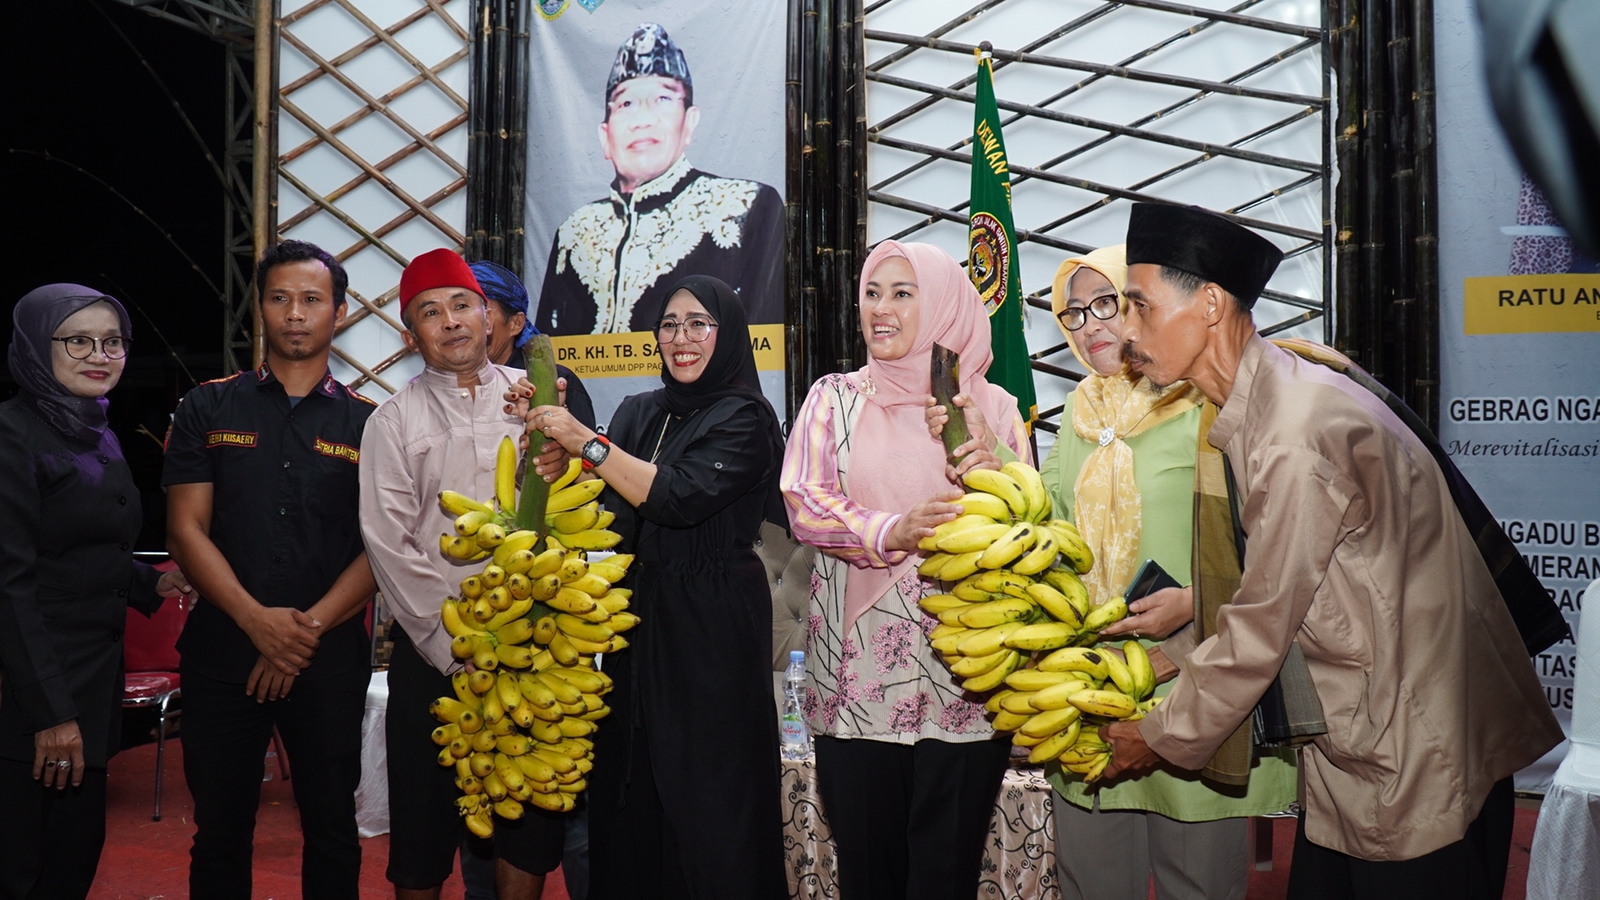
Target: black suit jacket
point(69, 514)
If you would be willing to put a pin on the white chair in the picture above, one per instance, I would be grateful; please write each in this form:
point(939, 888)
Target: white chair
point(1565, 861)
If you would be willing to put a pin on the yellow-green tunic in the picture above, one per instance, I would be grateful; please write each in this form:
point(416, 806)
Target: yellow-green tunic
point(1163, 467)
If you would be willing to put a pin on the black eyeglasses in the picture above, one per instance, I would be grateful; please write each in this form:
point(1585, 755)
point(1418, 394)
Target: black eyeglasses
point(81, 346)
point(1103, 307)
point(696, 330)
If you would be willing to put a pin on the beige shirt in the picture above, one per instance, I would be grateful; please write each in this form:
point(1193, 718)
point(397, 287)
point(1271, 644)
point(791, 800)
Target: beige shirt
point(1356, 549)
point(431, 436)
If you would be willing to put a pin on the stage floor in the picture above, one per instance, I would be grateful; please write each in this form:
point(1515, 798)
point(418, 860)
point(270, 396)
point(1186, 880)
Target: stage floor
point(147, 860)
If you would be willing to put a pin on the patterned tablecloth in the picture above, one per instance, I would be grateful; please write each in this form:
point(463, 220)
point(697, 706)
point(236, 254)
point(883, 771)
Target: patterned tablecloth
point(1019, 859)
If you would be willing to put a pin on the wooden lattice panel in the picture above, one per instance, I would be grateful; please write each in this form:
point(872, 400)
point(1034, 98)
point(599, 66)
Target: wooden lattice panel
point(372, 140)
point(1219, 103)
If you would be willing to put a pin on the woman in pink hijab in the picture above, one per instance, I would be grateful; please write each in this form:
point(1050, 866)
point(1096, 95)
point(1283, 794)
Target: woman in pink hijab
point(907, 765)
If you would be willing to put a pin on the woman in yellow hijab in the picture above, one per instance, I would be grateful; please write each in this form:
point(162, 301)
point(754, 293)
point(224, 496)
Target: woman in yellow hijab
point(1124, 472)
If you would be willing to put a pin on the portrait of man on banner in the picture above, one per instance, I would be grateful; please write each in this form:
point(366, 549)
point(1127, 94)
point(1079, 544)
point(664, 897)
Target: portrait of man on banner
point(611, 260)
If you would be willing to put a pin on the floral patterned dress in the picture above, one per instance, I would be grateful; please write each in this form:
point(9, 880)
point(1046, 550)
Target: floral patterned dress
point(882, 679)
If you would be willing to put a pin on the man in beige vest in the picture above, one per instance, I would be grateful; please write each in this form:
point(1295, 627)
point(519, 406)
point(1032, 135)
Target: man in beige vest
point(1356, 551)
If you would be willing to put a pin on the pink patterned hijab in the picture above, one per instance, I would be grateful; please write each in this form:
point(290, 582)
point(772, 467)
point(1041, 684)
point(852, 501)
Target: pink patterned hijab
point(894, 464)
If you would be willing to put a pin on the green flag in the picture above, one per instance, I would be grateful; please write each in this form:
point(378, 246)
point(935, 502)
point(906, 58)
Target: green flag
point(991, 255)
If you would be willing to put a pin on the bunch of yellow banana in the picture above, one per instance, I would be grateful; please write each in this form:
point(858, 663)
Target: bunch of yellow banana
point(530, 622)
point(522, 738)
point(1056, 707)
point(484, 528)
point(1005, 524)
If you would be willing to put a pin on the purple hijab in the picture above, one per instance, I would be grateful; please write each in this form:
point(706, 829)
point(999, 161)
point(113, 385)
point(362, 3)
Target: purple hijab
point(36, 318)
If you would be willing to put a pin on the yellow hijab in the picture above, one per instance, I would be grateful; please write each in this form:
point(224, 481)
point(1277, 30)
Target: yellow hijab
point(1107, 410)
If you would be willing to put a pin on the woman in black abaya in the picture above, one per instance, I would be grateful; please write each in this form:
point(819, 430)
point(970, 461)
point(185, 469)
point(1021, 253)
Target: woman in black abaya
point(684, 796)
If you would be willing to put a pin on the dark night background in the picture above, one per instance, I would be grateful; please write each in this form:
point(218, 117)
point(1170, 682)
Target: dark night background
point(75, 89)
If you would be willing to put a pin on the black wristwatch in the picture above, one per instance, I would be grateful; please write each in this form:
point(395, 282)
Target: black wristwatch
point(595, 452)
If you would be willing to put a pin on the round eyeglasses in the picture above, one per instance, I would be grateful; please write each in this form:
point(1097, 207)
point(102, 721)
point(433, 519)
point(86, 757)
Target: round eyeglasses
point(81, 346)
point(696, 330)
point(1103, 307)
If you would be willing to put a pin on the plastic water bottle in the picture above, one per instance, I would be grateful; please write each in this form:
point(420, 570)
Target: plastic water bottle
point(270, 762)
point(794, 736)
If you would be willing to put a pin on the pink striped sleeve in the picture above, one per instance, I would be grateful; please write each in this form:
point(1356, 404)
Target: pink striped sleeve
point(819, 511)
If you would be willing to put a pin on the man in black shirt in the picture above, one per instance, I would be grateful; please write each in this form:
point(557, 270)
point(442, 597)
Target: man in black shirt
point(262, 509)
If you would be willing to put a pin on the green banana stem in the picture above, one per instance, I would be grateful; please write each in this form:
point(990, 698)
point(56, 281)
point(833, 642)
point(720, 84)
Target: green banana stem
point(540, 358)
point(946, 377)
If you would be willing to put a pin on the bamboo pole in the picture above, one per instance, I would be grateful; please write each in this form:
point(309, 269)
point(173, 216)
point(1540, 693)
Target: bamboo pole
point(1344, 41)
point(517, 87)
point(1373, 130)
point(1399, 156)
point(1424, 346)
point(795, 345)
point(261, 164)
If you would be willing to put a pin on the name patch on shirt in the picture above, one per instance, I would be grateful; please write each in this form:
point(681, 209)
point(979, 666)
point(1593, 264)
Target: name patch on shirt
point(339, 451)
point(245, 439)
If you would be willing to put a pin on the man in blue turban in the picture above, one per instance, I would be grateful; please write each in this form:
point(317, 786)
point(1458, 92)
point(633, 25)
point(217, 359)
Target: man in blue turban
point(510, 328)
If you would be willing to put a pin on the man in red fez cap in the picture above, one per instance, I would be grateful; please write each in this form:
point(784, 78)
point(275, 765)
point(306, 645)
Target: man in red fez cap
point(1360, 564)
point(440, 432)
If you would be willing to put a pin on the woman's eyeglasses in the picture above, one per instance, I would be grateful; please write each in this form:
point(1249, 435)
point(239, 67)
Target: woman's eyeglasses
point(1103, 307)
point(81, 346)
point(696, 330)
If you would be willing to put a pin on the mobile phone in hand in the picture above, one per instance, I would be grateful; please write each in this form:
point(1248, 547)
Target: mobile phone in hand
point(1151, 578)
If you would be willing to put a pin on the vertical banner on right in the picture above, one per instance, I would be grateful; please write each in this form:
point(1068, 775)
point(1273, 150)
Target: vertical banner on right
point(1519, 345)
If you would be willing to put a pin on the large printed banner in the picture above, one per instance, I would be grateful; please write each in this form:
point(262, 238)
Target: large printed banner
point(1519, 350)
point(656, 139)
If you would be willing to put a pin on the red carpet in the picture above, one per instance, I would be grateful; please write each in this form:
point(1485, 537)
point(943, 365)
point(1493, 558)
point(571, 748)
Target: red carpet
point(147, 860)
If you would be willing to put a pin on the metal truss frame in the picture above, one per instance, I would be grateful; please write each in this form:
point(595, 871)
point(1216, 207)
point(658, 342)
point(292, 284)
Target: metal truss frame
point(233, 24)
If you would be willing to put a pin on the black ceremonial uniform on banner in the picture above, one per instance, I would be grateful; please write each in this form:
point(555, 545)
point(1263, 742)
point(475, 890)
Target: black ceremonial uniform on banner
point(285, 514)
point(285, 511)
point(612, 260)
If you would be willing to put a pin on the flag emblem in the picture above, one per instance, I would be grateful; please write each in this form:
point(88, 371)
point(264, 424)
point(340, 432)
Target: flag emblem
point(989, 260)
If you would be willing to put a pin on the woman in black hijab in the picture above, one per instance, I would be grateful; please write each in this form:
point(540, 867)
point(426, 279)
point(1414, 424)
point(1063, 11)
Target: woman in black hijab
point(684, 796)
point(71, 513)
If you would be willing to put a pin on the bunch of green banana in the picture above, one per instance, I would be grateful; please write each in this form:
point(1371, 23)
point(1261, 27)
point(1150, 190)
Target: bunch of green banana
point(1056, 707)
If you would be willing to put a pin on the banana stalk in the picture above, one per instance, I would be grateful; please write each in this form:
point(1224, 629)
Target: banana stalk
point(540, 358)
point(946, 374)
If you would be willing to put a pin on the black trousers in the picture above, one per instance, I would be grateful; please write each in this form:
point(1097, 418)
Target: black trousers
point(909, 821)
point(425, 830)
point(50, 839)
point(1473, 868)
point(225, 736)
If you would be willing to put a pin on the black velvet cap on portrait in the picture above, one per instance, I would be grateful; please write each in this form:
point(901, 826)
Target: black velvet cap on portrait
point(1202, 243)
point(649, 51)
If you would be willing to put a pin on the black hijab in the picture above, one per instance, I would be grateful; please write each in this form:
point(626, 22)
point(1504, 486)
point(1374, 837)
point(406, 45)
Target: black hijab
point(731, 372)
point(37, 316)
